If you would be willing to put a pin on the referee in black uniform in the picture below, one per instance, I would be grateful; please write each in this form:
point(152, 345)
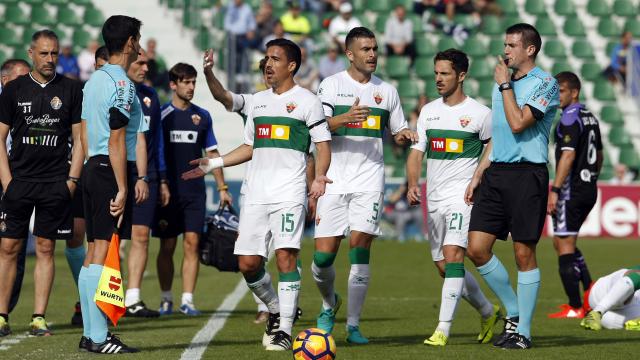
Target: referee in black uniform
point(41, 110)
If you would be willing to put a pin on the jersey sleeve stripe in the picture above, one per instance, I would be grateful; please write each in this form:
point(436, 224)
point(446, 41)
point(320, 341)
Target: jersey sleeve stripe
point(317, 123)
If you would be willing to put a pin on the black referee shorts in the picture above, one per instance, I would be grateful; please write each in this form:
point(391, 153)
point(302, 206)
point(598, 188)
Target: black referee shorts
point(52, 203)
point(99, 188)
point(573, 209)
point(512, 198)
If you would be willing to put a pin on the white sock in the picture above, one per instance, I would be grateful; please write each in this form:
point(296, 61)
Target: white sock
point(263, 289)
point(261, 305)
point(187, 298)
point(617, 295)
point(472, 293)
point(166, 295)
point(358, 286)
point(131, 297)
point(445, 327)
point(288, 292)
point(451, 291)
point(325, 278)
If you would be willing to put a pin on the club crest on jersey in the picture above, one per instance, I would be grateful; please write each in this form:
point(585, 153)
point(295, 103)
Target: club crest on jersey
point(465, 120)
point(56, 103)
point(196, 119)
point(291, 106)
point(147, 101)
point(377, 97)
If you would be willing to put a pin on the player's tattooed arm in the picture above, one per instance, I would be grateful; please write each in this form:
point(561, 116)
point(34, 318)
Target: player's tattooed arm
point(215, 86)
point(357, 113)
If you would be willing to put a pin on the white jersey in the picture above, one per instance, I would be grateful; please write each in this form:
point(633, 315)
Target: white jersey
point(357, 164)
point(603, 285)
point(241, 105)
point(281, 128)
point(452, 138)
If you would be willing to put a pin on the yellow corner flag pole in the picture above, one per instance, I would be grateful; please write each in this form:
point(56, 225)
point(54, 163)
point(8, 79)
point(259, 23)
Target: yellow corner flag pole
point(110, 293)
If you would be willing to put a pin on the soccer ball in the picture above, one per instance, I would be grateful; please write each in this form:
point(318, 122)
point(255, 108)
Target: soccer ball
point(314, 344)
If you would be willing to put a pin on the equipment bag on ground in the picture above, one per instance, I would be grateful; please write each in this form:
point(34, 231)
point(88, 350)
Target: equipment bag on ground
point(217, 244)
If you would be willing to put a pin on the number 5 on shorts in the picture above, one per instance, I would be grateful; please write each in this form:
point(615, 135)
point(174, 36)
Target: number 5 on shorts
point(287, 224)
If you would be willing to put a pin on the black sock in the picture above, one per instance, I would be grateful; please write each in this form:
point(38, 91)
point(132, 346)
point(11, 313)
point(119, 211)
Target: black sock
point(5, 317)
point(585, 276)
point(570, 279)
point(36, 315)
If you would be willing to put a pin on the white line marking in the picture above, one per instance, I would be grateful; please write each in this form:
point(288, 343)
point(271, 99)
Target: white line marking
point(2, 347)
point(10, 341)
point(6, 343)
point(216, 322)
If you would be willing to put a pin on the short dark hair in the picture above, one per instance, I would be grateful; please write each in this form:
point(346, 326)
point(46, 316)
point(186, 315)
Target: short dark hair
point(291, 49)
point(102, 53)
point(459, 60)
point(45, 33)
point(181, 71)
point(570, 79)
point(530, 36)
point(262, 64)
point(117, 30)
point(356, 33)
point(8, 65)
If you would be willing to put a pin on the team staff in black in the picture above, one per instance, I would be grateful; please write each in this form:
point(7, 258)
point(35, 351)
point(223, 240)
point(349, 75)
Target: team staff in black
point(578, 149)
point(42, 110)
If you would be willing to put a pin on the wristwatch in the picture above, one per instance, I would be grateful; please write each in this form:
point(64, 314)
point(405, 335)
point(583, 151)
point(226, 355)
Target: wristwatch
point(143, 178)
point(505, 86)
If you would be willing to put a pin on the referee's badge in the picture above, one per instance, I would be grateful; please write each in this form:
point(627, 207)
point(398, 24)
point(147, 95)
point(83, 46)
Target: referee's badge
point(196, 119)
point(465, 120)
point(56, 103)
point(147, 101)
point(377, 97)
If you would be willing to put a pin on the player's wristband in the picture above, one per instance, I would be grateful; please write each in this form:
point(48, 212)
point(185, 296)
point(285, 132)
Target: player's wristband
point(212, 164)
point(73, 179)
point(223, 187)
point(555, 189)
point(143, 178)
point(164, 181)
point(504, 86)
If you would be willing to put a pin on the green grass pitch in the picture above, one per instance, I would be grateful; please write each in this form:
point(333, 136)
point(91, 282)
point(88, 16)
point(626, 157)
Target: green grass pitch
point(400, 312)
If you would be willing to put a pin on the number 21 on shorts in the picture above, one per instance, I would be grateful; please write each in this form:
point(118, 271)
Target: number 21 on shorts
point(455, 223)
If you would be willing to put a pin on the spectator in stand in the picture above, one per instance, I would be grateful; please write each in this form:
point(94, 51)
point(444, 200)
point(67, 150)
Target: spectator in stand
point(265, 22)
point(86, 60)
point(398, 34)
point(307, 75)
point(67, 62)
point(157, 75)
point(488, 7)
point(330, 63)
point(294, 23)
point(342, 24)
point(622, 175)
point(420, 6)
point(241, 24)
point(617, 71)
point(278, 33)
point(332, 5)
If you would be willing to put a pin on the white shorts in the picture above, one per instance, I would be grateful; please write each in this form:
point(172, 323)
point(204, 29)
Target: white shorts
point(281, 224)
point(338, 214)
point(448, 225)
point(620, 313)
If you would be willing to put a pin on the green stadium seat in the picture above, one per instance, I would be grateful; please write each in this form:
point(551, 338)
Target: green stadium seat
point(633, 25)
point(446, 42)
point(496, 46)
point(535, 7)
point(469, 89)
point(203, 39)
point(554, 49)
point(492, 25)
point(314, 21)
point(582, 49)
point(381, 22)
point(598, 8)
point(279, 4)
point(424, 46)
point(14, 14)
point(408, 104)
point(474, 47)
point(397, 67)
point(40, 15)
point(606, 173)
point(67, 16)
point(399, 171)
point(603, 90)
point(408, 88)
point(610, 114)
point(545, 26)
point(564, 8)
point(218, 20)
point(175, 4)
point(591, 71)
point(191, 18)
point(381, 7)
point(424, 68)
point(465, 20)
point(27, 33)
point(629, 156)
point(508, 7)
point(81, 38)
point(574, 27)
point(84, 3)
point(618, 136)
point(485, 88)
point(481, 69)
point(607, 27)
point(3, 56)
point(560, 66)
point(417, 23)
point(8, 37)
point(624, 8)
point(57, 2)
point(609, 48)
point(93, 17)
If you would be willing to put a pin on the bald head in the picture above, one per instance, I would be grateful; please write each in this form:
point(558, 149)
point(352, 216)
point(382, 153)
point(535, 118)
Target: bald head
point(11, 69)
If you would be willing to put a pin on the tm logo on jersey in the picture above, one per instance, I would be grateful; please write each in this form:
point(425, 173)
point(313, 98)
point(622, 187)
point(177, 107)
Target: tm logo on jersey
point(183, 136)
point(278, 132)
point(373, 122)
point(447, 145)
